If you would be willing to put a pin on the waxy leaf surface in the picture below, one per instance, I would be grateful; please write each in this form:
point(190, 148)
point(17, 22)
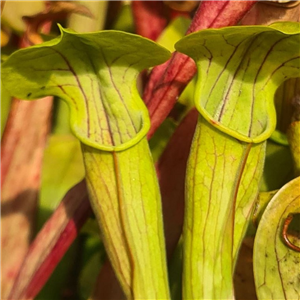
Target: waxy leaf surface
point(240, 69)
point(276, 265)
point(95, 74)
point(127, 204)
point(221, 187)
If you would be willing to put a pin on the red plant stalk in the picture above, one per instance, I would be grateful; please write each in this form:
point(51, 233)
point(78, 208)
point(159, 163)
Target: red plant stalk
point(39, 264)
point(23, 146)
point(149, 18)
point(168, 80)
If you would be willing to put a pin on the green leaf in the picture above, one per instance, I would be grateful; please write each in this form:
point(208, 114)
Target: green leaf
point(61, 118)
point(221, 187)
point(294, 140)
point(95, 74)
point(123, 21)
point(276, 265)
point(125, 197)
point(5, 107)
point(261, 203)
point(279, 137)
point(92, 259)
point(239, 70)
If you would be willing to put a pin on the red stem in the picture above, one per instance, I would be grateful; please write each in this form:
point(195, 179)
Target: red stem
point(52, 242)
point(149, 18)
point(23, 144)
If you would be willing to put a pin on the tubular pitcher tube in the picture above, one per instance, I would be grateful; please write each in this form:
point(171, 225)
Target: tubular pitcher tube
point(95, 74)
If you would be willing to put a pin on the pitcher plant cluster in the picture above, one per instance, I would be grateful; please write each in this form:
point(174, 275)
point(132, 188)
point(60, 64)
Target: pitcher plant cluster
point(178, 184)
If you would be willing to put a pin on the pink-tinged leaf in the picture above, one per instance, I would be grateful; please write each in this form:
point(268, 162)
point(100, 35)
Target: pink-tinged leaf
point(51, 243)
point(167, 81)
point(150, 18)
point(22, 151)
